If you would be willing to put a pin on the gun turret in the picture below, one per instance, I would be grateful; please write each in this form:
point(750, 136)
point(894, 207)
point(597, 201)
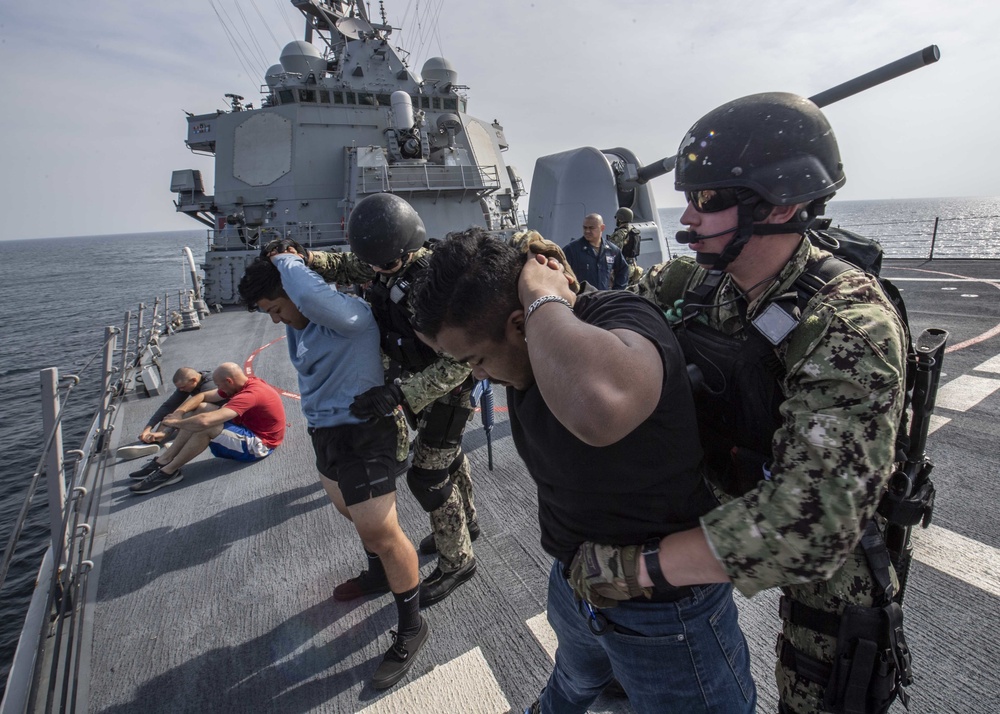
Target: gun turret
point(926, 56)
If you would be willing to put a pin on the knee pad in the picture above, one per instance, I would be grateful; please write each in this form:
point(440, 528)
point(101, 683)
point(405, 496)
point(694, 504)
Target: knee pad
point(431, 487)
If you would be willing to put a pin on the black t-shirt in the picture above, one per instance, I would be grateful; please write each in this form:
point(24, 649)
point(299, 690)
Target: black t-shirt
point(648, 483)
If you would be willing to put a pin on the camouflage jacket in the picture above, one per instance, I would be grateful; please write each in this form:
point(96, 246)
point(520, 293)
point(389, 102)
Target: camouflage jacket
point(834, 450)
point(419, 389)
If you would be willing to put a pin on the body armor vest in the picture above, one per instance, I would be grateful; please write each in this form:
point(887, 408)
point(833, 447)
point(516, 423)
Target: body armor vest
point(390, 307)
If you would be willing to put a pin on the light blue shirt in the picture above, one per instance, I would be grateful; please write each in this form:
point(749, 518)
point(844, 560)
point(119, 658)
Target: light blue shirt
point(337, 355)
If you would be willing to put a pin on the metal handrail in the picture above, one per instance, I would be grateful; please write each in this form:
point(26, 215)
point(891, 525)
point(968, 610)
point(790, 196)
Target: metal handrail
point(63, 576)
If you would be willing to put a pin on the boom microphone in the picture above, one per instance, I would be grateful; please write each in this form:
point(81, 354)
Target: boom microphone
point(694, 236)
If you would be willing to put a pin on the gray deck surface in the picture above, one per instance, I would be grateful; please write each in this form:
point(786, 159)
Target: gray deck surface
point(215, 595)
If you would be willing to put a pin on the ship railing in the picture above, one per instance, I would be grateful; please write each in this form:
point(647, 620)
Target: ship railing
point(44, 674)
point(419, 178)
point(957, 237)
point(311, 235)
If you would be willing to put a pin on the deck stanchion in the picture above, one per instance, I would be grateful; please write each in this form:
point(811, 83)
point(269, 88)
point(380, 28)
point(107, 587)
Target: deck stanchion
point(934, 237)
point(55, 482)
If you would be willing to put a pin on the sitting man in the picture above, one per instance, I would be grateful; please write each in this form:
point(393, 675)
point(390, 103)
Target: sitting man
point(613, 451)
point(248, 427)
point(187, 381)
point(333, 343)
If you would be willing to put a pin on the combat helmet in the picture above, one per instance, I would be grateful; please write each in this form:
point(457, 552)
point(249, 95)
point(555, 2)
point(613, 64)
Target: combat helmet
point(777, 147)
point(624, 215)
point(384, 227)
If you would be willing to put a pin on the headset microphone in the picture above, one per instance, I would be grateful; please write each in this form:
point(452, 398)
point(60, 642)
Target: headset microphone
point(693, 236)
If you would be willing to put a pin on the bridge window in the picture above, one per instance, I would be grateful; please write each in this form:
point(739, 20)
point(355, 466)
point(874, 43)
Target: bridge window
point(383, 100)
point(338, 97)
point(450, 104)
point(286, 96)
point(324, 96)
point(425, 102)
point(307, 96)
point(351, 97)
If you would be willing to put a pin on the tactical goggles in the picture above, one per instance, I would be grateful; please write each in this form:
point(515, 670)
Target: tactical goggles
point(713, 200)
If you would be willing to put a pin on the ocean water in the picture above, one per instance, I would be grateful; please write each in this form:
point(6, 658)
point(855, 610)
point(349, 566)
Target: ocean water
point(59, 293)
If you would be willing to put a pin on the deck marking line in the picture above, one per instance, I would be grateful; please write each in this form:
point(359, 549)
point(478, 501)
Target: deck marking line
point(936, 423)
point(970, 561)
point(965, 392)
point(465, 684)
point(973, 340)
point(543, 632)
point(248, 368)
point(990, 365)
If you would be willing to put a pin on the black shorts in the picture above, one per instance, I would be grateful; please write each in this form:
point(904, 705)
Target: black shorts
point(361, 458)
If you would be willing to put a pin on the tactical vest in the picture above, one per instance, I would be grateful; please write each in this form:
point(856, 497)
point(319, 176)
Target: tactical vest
point(389, 303)
point(737, 384)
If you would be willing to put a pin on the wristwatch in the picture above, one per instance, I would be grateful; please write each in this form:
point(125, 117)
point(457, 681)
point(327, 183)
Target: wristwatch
point(651, 555)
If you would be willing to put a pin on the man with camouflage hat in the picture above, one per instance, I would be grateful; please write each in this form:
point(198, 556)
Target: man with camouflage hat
point(387, 240)
point(800, 358)
point(627, 237)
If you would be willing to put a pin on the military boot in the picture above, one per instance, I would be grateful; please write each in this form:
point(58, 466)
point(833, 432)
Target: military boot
point(456, 563)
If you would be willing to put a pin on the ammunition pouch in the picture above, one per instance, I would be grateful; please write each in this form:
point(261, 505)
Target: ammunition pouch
point(442, 425)
point(431, 487)
point(871, 665)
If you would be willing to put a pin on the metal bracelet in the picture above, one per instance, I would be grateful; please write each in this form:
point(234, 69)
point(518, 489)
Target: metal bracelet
point(541, 301)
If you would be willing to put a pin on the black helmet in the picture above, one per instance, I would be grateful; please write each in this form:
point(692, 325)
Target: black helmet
point(624, 215)
point(776, 144)
point(384, 227)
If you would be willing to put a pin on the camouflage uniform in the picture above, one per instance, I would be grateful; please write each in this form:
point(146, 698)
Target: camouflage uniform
point(445, 385)
point(832, 454)
point(618, 238)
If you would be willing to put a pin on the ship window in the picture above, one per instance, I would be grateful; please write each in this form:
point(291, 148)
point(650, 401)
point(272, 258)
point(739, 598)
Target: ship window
point(366, 99)
point(338, 97)
point(415, 101)
point(436, 103)
point(383, 100)
point(307, 96)
point(351, 98)
point(324, 96)
point(286, 96)
point(425, 102)
point(463, 105)
point(450, 103)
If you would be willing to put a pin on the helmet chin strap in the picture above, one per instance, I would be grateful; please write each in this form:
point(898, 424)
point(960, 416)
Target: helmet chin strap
point(745, 229)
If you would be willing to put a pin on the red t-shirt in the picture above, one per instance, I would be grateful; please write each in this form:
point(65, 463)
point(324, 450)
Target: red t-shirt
point(260, 410)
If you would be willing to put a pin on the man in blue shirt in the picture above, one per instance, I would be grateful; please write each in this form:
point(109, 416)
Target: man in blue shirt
point(333, 343)
point(595, 259)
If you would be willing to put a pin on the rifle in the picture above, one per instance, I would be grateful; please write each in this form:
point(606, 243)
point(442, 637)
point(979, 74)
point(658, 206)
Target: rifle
point(909, 498)
point(482, 394)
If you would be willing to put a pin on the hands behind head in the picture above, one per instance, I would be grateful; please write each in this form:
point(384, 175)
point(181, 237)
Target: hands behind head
point(283, 245)
point(543, 275)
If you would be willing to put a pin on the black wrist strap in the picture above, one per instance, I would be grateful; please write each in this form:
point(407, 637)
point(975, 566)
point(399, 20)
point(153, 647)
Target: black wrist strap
point(651, 554)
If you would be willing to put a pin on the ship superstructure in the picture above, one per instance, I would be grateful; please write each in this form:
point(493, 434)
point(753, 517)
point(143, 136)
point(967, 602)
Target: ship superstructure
point(338, 122)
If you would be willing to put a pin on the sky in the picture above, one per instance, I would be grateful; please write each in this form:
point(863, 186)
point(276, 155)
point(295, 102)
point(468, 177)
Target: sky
point(94, 93)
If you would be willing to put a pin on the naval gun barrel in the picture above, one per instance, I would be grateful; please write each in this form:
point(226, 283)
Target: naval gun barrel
point(922, 58)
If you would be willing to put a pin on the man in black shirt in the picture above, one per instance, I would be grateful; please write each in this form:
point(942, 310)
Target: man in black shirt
point(602, 414)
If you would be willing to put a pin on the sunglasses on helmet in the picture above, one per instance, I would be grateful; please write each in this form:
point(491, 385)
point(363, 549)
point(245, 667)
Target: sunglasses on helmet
point(713, 200)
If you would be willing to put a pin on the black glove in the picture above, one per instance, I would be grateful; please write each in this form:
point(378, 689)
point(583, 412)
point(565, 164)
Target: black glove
point(281, 245)
point(377, 401)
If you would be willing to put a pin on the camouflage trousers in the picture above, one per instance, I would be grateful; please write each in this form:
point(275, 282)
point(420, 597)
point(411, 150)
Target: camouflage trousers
point(449, 522)
point(852, 584)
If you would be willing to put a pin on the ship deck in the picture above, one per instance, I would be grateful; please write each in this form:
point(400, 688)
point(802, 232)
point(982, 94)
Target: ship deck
point(215, 595)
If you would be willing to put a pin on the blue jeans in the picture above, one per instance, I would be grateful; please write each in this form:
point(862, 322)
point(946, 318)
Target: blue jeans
point(687, 656)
